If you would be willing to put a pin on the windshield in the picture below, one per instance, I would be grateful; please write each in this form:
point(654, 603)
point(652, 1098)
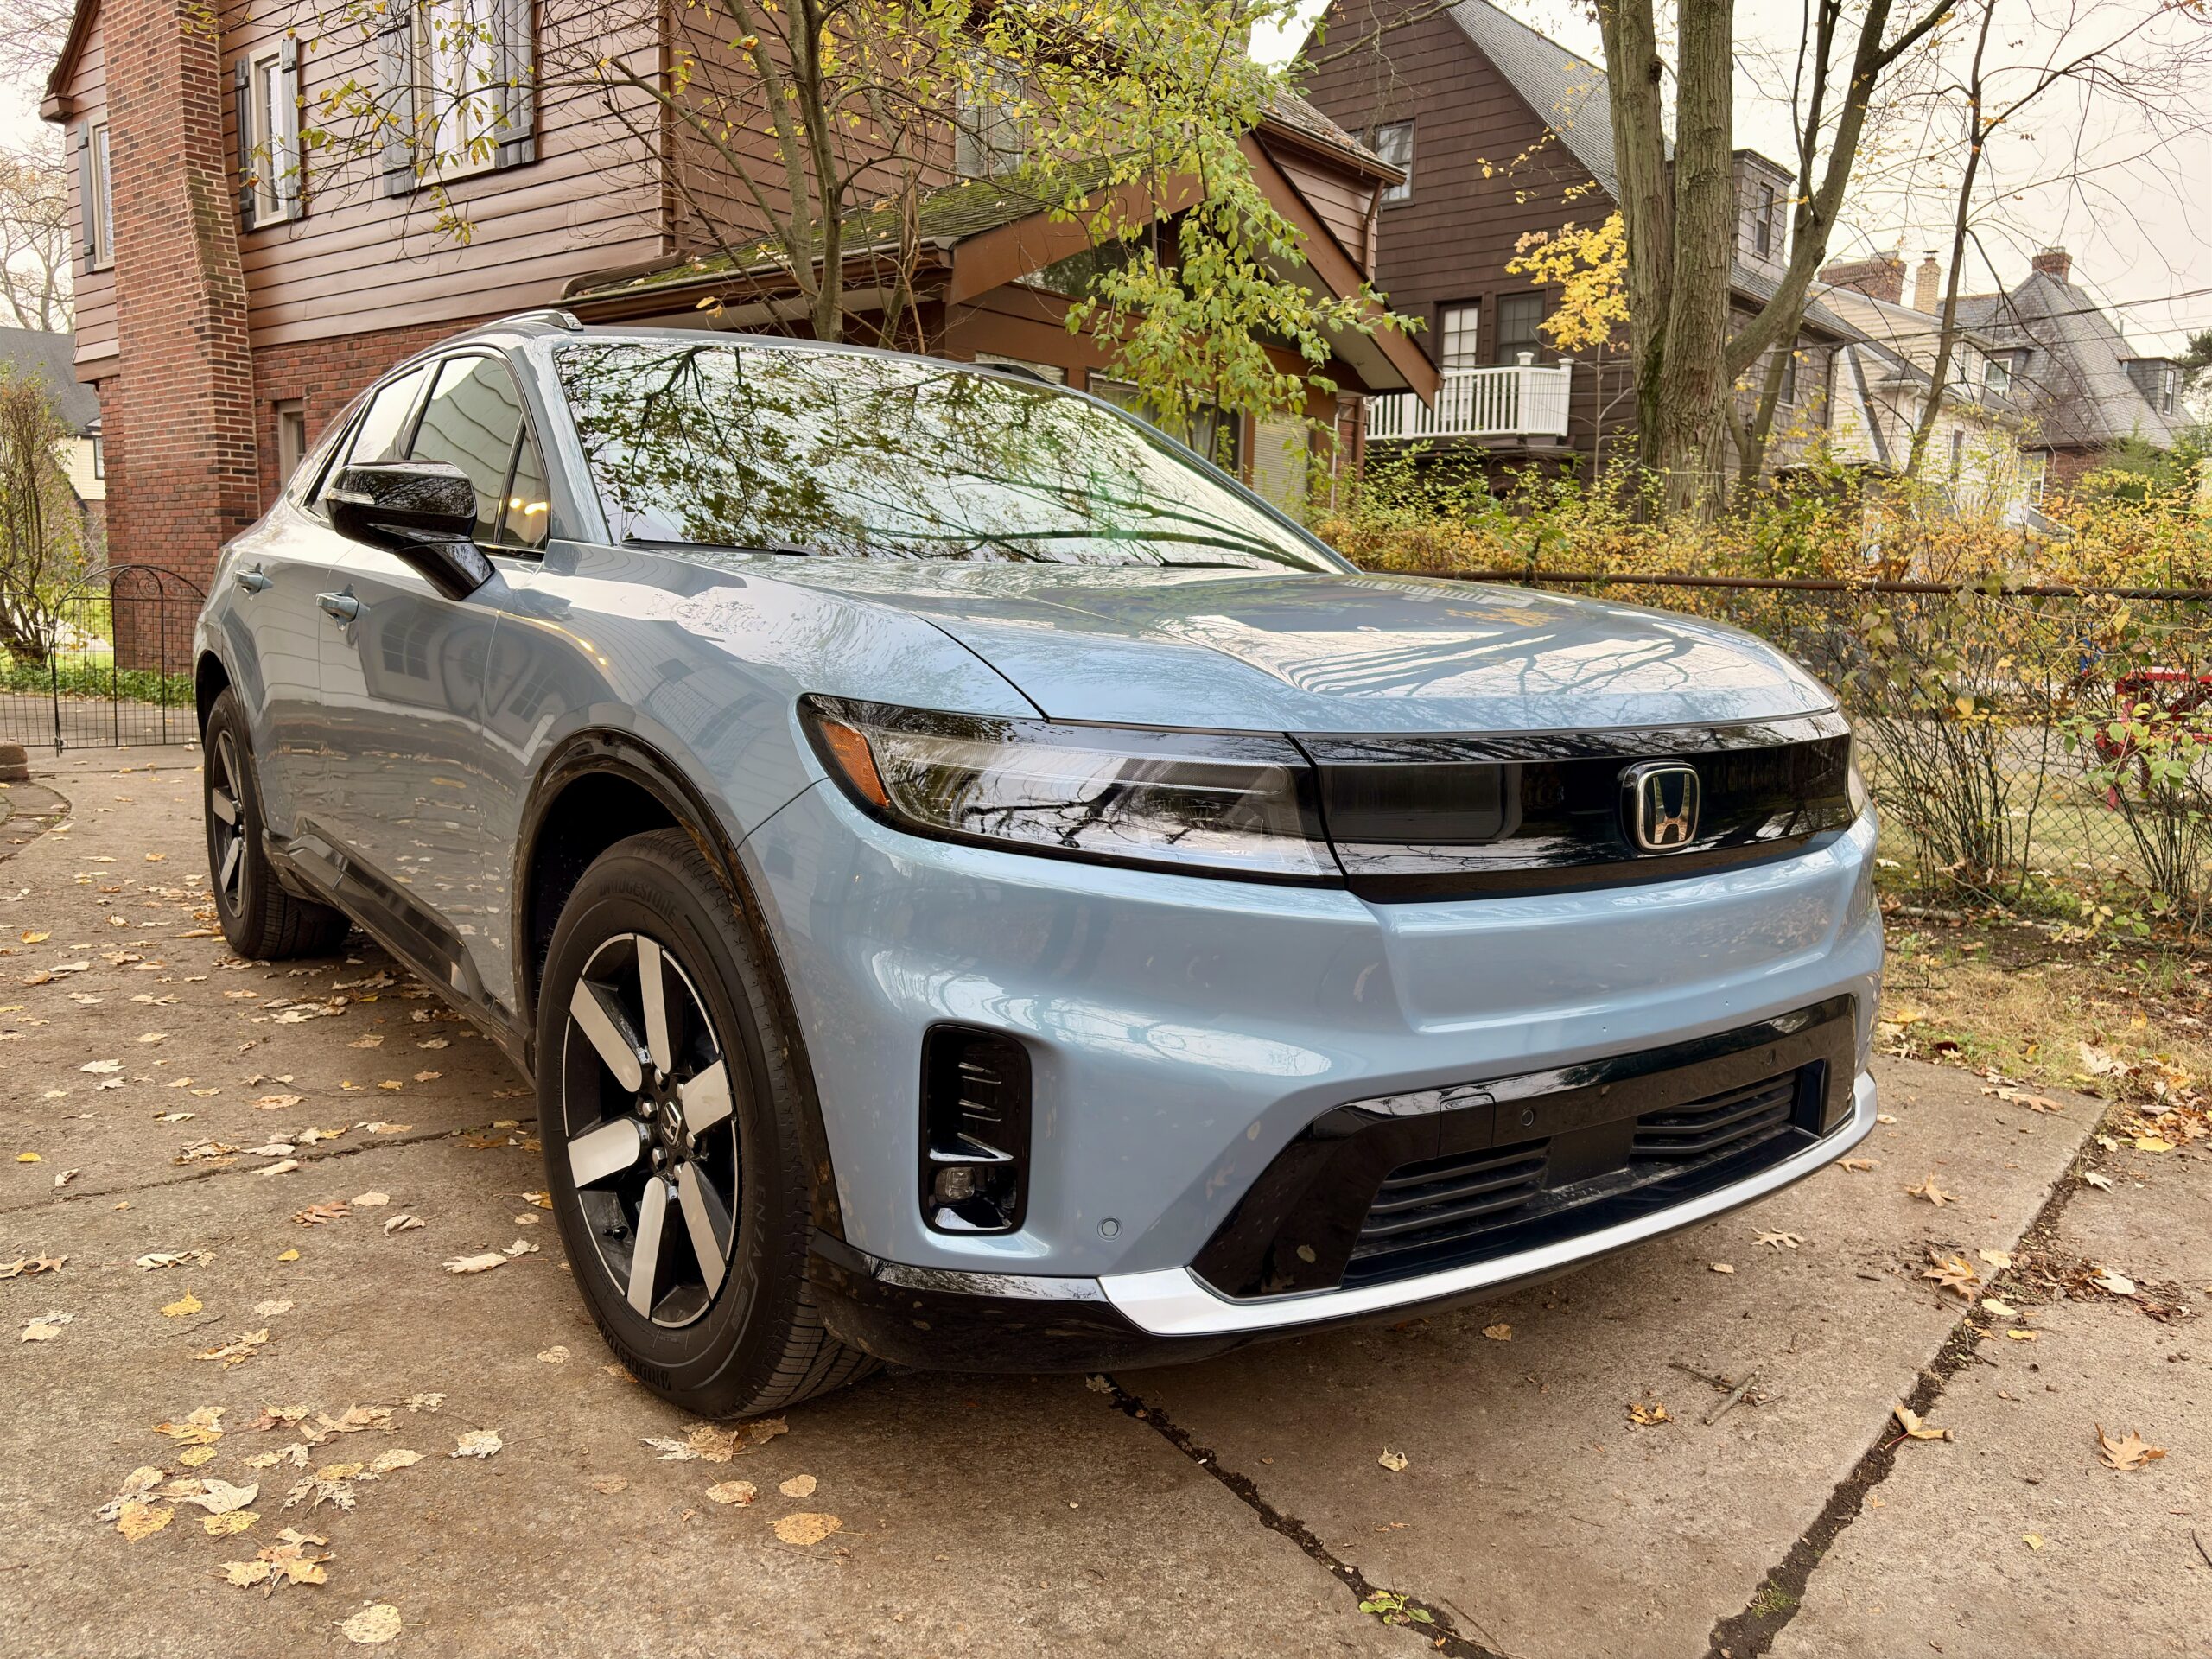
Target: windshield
point(717, 445)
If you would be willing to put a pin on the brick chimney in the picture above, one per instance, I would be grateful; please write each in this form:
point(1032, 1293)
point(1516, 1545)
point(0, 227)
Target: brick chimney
point(1928, 286)
point(2053, 262)
point(1879, 278)
point(178, 418)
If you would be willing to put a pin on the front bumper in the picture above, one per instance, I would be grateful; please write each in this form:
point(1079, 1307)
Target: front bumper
point(1183, 1031)
point(932, 1318)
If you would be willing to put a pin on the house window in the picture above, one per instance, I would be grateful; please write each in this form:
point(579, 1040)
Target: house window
point(1763, 221)
point(96, 179)
point(1214, 434)
point(1394, 142)
point(268, 113)
point(100, 454)
point(1996, 377)
point(1958, 451)
point(291, 436)
point(455, 74)
point(1787, 398)
point(1520, 325)
point(990, 130)
point(1458, 331)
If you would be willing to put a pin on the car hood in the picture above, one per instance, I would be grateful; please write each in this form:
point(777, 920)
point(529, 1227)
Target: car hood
point(1329, 652)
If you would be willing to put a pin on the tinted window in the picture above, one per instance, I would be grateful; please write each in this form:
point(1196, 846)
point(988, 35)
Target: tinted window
point(471, 421)
point(382, 434)
point(529, 514)
point(717, 445)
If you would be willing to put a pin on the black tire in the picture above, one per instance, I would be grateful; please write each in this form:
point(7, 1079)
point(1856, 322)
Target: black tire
point(261, 920)
point(689, 1146)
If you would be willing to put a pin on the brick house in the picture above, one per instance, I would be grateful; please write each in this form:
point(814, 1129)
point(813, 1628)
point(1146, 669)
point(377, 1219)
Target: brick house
point(236, 288)
point(1505, 133)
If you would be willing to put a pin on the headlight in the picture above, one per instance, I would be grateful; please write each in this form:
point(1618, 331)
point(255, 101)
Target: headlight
point(1233, 805)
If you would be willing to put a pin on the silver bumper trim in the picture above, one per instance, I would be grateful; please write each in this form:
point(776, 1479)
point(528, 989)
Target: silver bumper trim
point(1175, 1302)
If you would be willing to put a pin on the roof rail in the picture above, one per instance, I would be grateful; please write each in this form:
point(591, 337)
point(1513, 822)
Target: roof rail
point(559, 316)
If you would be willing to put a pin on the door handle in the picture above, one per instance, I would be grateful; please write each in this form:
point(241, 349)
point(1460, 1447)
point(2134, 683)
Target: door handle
point(253, 581)
point(343, 607)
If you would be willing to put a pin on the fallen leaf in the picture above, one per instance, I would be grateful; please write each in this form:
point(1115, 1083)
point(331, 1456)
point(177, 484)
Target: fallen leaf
point(2024, 1336)
point(281, 1166)
point(1720, 1267)
point(228, 1525)
point(804, 1528)
point(200, 1427)
point(376, 1624)
point(27, 1266)
point(1992, 1305)
point(803, 1485)
point(276, 1102)
point(484, 1263)
point(477, 1443)
point(1935, 1194)
point(216, 1496)
point(29, 1158)
point(2114, 1284)
point(101, 1068)
point(1781, 1241)
point(1393, 1461)
point(554, 1354)
point(1860, 1164)
point(1648, 1416)
point(238, 1350)
point(2102, 1183)
point(271, 1310)
point(403, 1224)
point(366, 1042)
point(2153, 1143)
point(1910, 1420)
point(35, 938)
point(47, 1327)
point(371, 1200)
point(2032, 1540)
point(139, 1519)
point(398, 1457)
point(2131, 1453)
point(727, 1491)
point(319, 1215)
point(184, 1305)
point(1998, 1259)
point(1498, 1332)
point(1950, 1273)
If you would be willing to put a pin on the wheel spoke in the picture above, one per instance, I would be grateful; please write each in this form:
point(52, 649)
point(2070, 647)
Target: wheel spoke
point(706, 1098)
point(653, 992)
point(607, 1150)
point(232, 857)
point(225, 808)
point(645, 1256)
point(706, 1222)
point(600, 1018)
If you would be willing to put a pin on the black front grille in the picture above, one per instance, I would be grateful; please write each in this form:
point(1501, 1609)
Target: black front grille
point(1729, 1122)
point(1449, 1211)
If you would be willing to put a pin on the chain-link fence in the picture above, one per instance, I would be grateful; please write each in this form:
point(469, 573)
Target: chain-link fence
point(102, 664)
point(2013, 735)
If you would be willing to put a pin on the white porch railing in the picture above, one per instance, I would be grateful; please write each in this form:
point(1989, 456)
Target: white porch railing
point(1513, 400)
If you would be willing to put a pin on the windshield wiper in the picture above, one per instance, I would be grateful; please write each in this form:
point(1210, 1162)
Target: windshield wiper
point(672, 544)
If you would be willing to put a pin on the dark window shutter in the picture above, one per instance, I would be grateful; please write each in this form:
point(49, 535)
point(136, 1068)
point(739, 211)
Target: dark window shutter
point(516, 27)
point(292, 179)
point(395, 101)
point(242, 81)
point(88, 208)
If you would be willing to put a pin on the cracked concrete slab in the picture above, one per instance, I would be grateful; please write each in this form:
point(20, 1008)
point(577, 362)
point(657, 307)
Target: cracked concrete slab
point(1532, 1507)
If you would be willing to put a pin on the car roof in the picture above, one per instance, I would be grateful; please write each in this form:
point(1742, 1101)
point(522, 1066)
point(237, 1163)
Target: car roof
point(554, 323)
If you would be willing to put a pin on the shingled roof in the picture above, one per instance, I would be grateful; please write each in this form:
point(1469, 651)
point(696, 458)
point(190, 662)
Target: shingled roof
point(2079, 390)
point(52, 358)
point(1565, 91)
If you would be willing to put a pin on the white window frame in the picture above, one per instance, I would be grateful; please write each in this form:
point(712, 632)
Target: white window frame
point(100, 211)
point(1458, 345)
point(1381, 141)
point(275, 142)
point(291, 436)
point(456, 55)
point(1997, 377)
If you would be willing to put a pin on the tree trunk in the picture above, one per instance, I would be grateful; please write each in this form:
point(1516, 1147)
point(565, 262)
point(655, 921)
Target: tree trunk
point(1693, 377)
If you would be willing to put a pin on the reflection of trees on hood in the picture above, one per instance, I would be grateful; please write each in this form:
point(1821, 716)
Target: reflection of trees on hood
point(756, 447)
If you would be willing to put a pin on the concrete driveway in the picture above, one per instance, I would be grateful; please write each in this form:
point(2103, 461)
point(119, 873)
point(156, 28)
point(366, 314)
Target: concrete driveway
point(269, 1127)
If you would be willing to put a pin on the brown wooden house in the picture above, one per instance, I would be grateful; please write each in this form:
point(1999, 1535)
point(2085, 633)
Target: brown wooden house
point(236, 288)
point(1504, 134)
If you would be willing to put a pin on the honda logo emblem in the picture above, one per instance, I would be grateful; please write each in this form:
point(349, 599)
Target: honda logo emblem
point(1660, 803)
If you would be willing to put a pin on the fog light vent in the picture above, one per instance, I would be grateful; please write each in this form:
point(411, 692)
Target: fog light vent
point(974, 1130)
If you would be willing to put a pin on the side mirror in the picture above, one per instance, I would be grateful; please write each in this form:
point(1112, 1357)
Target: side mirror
point(424, 511)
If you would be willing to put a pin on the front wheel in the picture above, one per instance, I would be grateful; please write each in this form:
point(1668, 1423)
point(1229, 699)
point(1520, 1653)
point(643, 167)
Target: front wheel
point(668, 1116)
point(259, 918)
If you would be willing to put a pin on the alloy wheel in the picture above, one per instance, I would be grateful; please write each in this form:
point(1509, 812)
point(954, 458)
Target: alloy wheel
point(651, 1129)
point(226, 822)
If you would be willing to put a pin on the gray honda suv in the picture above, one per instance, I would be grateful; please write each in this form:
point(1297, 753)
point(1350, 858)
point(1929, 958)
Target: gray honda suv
point(975, 887)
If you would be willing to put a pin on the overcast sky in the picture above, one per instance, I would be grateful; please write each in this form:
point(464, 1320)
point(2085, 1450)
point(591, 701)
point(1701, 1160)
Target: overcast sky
point(2136, 217)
